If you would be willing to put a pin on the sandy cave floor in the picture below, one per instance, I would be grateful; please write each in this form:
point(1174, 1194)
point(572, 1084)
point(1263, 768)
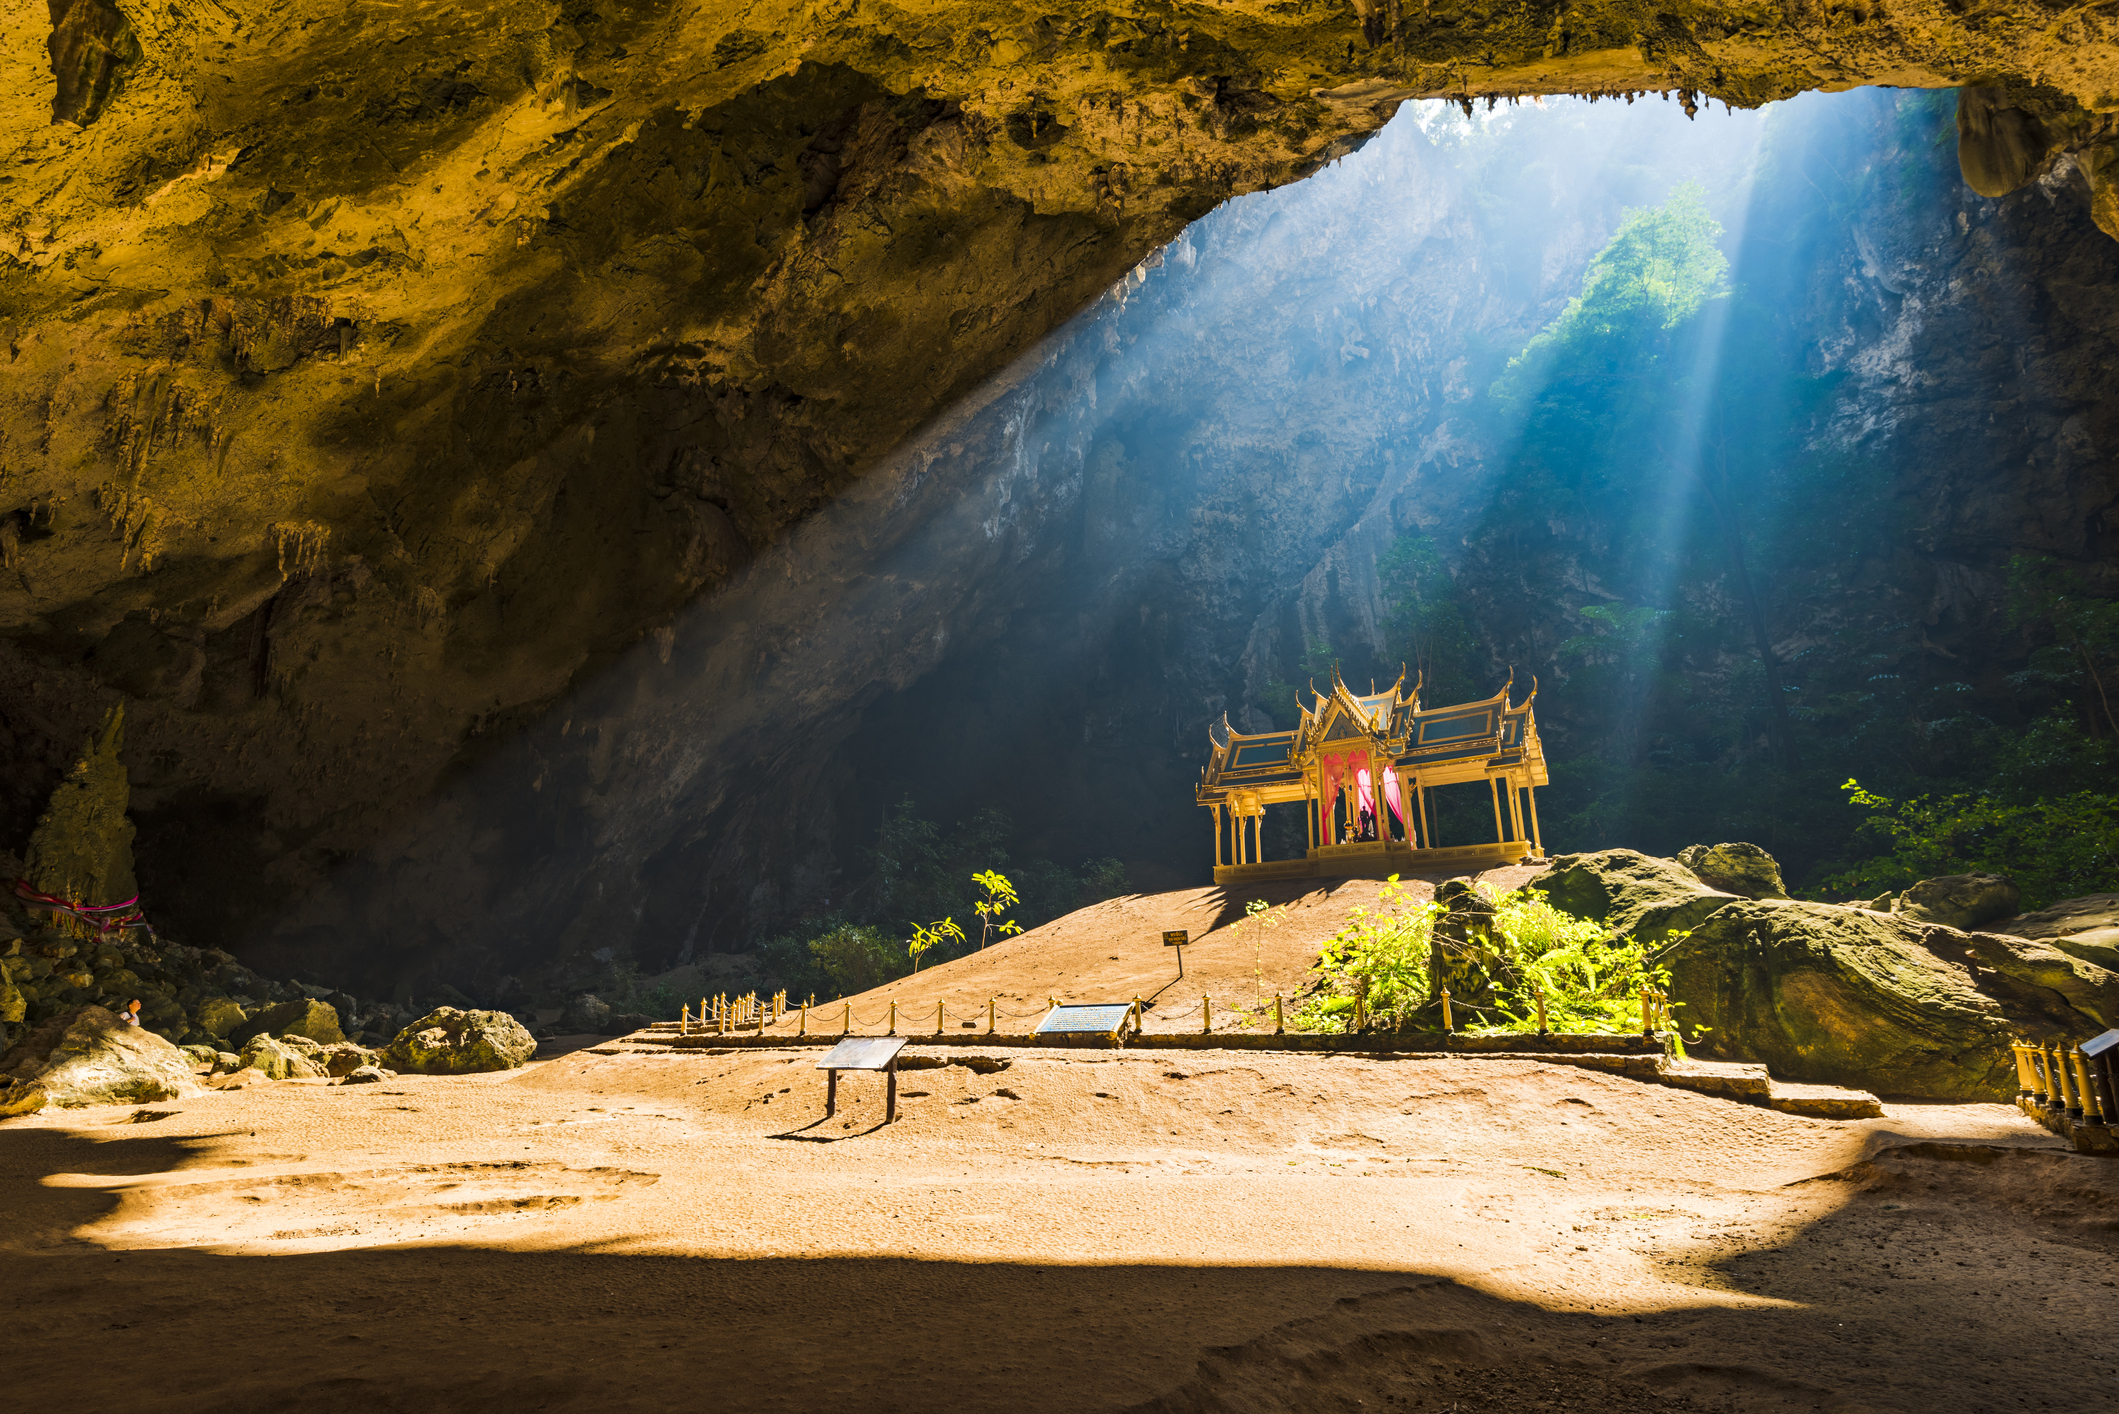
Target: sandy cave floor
point(1076, 1231)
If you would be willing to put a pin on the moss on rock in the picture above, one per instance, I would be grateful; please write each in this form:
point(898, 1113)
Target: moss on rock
point(1630, 892)
point(450, 1041)
point(1846, 996)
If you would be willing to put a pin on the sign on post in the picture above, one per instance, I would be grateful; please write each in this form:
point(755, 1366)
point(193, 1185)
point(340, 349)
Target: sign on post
point(1077, 1020)
point(1177, 938)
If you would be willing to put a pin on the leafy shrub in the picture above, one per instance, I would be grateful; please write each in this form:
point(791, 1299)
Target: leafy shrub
point(1590, 979)
point(854, 958)
point(2053, 848)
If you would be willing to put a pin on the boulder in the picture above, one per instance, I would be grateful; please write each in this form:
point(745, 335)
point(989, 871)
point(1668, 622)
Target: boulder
point(1741, 869)
point(367, 1075)
point(451, 1041)
point(1629, 892)
point(587, 1013)
point(305, 1017)
point(202, 1058)
point(89, 1057)
point(2086, 927)
point(219, 1016)
point(1884, 1002)
point(277, 1060)
point(1960, 900)
point(344, 1058)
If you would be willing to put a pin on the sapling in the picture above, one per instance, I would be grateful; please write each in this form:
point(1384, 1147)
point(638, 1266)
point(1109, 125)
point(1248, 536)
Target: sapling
point(924, 938)
point(992, 910)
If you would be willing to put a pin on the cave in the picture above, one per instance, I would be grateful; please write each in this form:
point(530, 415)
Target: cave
point(546, 509)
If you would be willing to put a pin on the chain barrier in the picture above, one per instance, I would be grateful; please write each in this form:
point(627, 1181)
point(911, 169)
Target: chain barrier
point(724, 1015)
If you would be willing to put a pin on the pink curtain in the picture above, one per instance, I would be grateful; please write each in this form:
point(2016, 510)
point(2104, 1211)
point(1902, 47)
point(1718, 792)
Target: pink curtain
point(1365, 795)
point(1393, 799)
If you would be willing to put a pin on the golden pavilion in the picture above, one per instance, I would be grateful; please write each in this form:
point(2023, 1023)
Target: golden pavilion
point(1364, 766)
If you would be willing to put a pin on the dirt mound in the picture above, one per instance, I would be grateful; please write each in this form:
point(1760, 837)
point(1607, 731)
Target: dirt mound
point(1113, 952)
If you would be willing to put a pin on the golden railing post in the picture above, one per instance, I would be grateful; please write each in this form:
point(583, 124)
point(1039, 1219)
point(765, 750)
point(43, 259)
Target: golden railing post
point(1278, 1027)
point(802, 1027)
point(846, 1023)
point(1448, 1023)
point(989, 1014)
point(893, 1020)
point(937, 1018)
point(1647, 1018)
point(2061, 1079)
point(1538, 995)
point(1206, 1014)
point(2092, 1106)
point(2023, 1066)
point(684, 1020)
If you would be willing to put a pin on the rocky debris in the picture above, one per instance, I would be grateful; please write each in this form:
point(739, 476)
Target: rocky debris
point(368, 1075)
point(587, 1014)
point(89, 1057)
point(2086, 927)
point(218, 1016)
point(1960, 900)
point(204, 1059)
point(305, 1017)
point(1741, 869)
point(1825, 994)
point(1631, 893)
point(452, 1041)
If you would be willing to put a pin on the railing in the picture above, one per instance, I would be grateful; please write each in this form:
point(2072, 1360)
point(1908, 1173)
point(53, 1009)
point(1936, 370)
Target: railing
point(2064, 1081)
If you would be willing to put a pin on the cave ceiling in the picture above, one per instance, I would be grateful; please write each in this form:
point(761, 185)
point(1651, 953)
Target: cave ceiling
point(376, 371)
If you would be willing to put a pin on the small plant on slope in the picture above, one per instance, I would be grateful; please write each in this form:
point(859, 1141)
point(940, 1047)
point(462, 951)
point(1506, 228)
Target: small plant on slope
point(993, 909)
point(924, 938)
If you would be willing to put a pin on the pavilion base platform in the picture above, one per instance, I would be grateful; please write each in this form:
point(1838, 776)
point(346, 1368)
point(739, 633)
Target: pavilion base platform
point(1377, 859)
point(2086, 1136)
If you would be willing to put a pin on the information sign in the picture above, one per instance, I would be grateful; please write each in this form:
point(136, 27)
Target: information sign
point(1177, 939)
point(1100, 1019)
point(863, 1053)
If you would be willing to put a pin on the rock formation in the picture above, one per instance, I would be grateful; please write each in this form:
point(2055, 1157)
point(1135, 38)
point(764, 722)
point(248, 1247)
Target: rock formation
point(1846, 996)
point(89, 1057)
point(448, 1041)
point(1741, 869)
point(1631, 893)
point(81, 850)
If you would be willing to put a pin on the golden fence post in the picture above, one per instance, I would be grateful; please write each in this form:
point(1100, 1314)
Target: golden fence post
point(937, 1018)
point(1538, 995)
point(1137, 1026)
point(1647, 1021)
point(1206, 1012)
point(846, 1027)
point(1361, 998)
point(802, 1028)
point(2092, 1110)
point(1448, 1023)
point(684, 1021)
point(2060, 1076)
point(2023, 1066)
point(1278, 1026)
point(893, 1019)
point(989, 1014)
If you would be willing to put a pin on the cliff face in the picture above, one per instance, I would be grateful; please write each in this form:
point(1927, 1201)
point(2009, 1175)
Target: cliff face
point(375, 375)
